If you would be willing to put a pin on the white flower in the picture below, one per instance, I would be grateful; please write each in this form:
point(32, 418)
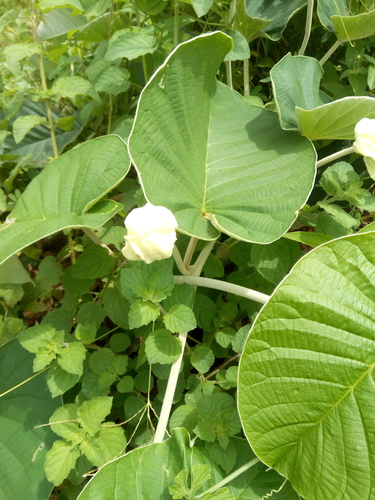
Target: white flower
point(151, 234)
point(365, 143)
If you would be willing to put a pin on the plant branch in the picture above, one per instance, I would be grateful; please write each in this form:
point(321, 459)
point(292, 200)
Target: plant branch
point(328, 54)
point(169, 393)
point(196, 268)
point(190, 251)
point(44, 82)
point(223, 286)
point(178, 260)
point(23, 382)
point(97, 240)
point(334, 156)
point(228, 65)
point(246, 82)
point(309, 16)
point(229, 478)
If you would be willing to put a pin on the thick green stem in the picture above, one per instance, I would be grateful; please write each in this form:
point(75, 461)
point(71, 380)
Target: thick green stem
point(223, 286)
point(309, 17)
point(190, 251)
point(196, 269)
point(179, 263)
point(246, 81)
point(328, 54)
point(229, 478)
point(228, 65)
point(169, 393)
point(334, 156)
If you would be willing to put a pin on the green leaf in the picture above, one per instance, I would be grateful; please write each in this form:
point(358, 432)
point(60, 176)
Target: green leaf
point(126, 384)
point(92, 413)
point(342, 182)
point(47, 5)
point(142, 313)
point(11, 294)
point(59, 22)
point(71, 358)
point(112, 81)
point(201, 7)
point(94, 262)
point(74, 86)
point(277, 13)
point(153, 282)
point(116, 307)
point(23, 445)
point(23, 124)
point(13, 272)
point(335, 120)
point(101, 361)
point(86, 332)
point(225, 458)
point(119, 342)
point(273, 261)
point(308, 238)
point(38, 141)
point(163, 461)
point(59, 381)
point(202, 358)
point(60, 460)
point(53, 200)
point(74, 286)
point(339, 215)
point(131, 43)
point(18, 51)
point(180, 319)
point(49, 273)
point(105, 446)
point(162, 347)
point(295, 82)
point(91, 311)
point(226, 159)
point(39, 337)
point(64, 422)
point(354, 27)
point(306, 375)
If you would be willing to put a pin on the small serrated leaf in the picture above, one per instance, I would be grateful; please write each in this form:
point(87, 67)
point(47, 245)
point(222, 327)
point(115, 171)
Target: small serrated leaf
point(142, 313)
point(180, 319)
point(162, 347)
point(60, 460)
point(202, 358)
point(71, 358)
point(92, 413)
point(94, 262)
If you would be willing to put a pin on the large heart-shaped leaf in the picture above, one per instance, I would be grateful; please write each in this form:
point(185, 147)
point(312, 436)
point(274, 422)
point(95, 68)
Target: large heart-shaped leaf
point(306, 382)
point(23, 448)
point(148, 472)
point(65, 194)
point(215, 161)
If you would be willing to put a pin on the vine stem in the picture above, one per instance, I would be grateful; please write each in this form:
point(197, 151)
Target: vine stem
point(93, 237)
point(224, 286)
point(334, 156)
point(229, 478)
point(189, 252)
point(44, 82)
point(328, 54)
point(169, 393)
point(23, 382)
point(309, 17)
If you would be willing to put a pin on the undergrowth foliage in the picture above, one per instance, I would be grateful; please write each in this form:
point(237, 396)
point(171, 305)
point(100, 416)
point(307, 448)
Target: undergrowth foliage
point(235, 362)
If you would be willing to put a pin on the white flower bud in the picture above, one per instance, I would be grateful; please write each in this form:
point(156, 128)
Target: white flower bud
point(365, 143)
point(151, 234)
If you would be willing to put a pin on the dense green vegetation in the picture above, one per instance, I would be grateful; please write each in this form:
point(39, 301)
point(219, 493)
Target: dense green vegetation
point(240, 366)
